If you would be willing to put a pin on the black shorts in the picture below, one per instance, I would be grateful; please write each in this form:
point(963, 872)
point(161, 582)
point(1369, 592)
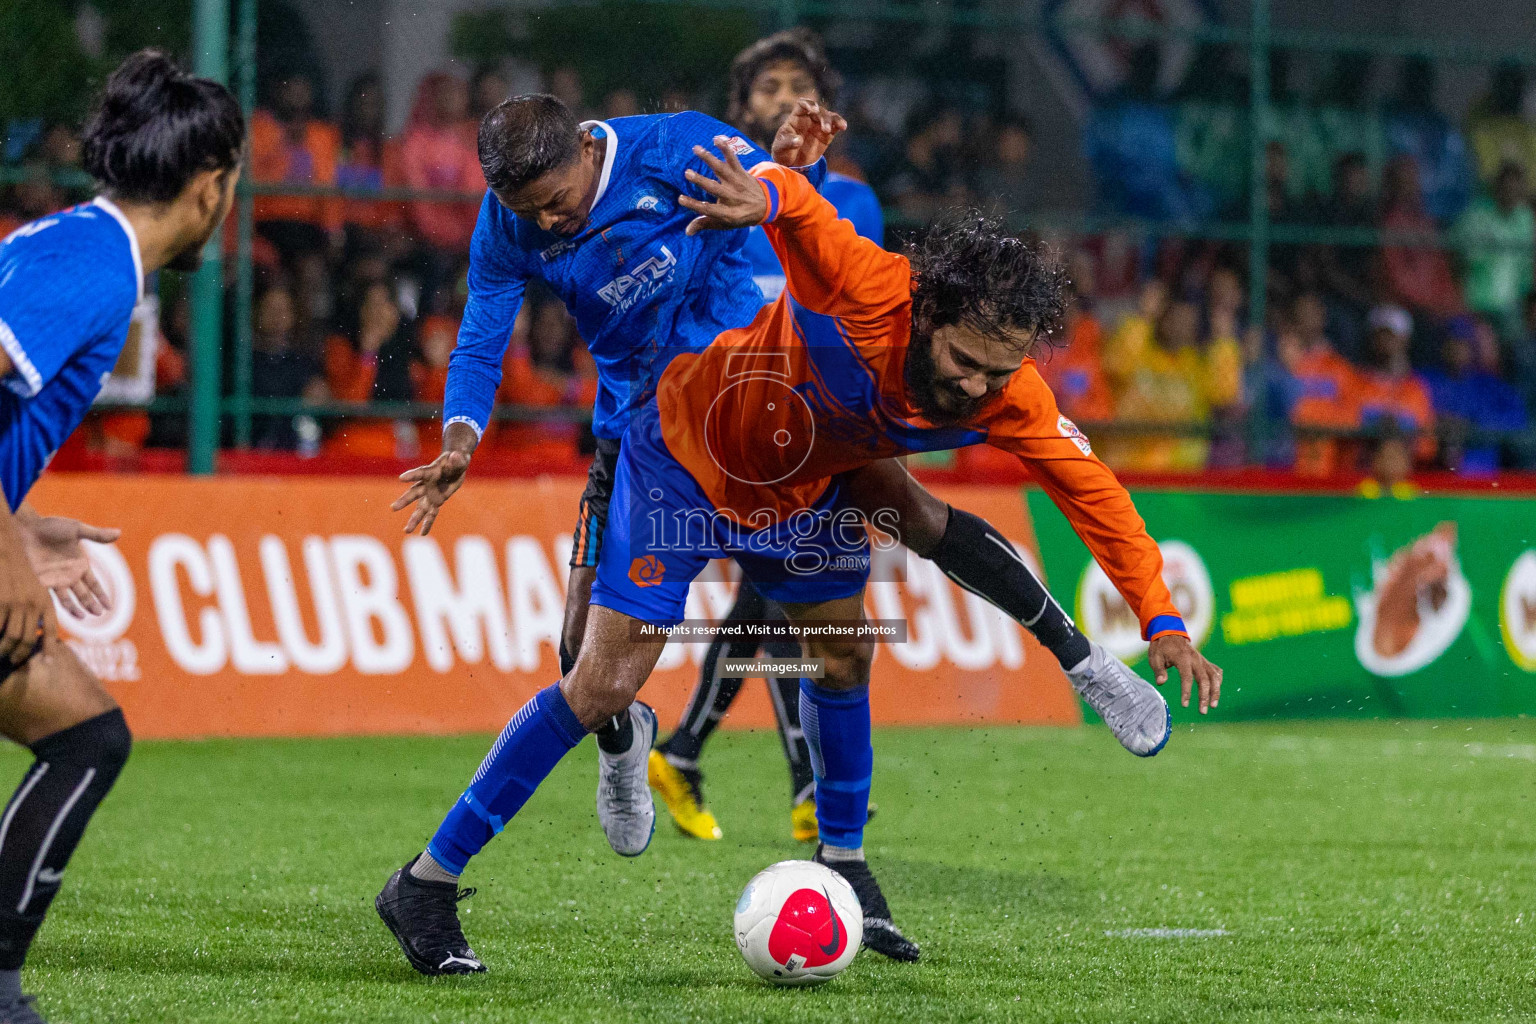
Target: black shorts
point(593, 517)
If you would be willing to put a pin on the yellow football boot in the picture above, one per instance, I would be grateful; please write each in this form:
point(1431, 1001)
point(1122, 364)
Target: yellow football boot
point(685, 798)
point(802, 820)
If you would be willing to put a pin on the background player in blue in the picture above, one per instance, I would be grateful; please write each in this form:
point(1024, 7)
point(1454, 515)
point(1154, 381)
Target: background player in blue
point(166, 149)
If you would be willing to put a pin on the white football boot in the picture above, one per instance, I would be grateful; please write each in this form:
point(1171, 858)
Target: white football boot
point(624, 804)
point(1133, 708)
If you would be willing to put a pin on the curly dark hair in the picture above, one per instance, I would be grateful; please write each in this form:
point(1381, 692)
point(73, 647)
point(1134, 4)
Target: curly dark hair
point(797, 44)
point(968, 268)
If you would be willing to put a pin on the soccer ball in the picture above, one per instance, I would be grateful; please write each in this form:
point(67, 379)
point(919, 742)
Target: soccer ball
point(798, 923)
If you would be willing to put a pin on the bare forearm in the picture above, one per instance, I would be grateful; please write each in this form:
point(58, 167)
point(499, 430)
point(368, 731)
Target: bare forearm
point(12, 536)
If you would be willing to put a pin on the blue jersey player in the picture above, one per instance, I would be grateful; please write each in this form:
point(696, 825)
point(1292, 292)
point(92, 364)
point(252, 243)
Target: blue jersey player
point(592, 210)
point(166, 148)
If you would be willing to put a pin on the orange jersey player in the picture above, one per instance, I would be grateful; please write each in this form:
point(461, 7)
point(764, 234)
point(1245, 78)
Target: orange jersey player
point(829, 378)
point(746, 447)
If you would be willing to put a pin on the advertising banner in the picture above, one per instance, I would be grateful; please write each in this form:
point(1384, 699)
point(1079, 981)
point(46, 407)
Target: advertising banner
point(1332, 605)
point(296, 606)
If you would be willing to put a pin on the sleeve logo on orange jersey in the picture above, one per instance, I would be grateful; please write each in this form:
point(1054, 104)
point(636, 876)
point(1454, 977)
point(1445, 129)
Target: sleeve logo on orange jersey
point(1070, 431)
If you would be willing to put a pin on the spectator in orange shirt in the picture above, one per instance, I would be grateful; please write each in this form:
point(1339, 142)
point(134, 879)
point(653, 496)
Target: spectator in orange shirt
point(429, 374)
point(438, 153)
point(436, 338)
point(1416, 275)
point(1393, 398)
point(1074, 370)
point(368, 161)
point(372, 362)
point(290, 146)
point(1328, 388)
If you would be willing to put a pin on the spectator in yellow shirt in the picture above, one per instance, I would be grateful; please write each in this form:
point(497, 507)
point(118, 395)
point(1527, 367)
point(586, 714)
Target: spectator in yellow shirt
point(1162, 374)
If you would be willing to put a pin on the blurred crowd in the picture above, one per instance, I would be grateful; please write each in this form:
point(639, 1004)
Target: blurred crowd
point(1424, 336)
point(1424, 339)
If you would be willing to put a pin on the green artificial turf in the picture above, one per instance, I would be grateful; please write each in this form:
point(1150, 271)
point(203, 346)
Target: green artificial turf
point(1360, 871)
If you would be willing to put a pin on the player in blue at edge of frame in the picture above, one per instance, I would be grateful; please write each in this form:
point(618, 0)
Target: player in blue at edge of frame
point(593, 209)
point(165, 148)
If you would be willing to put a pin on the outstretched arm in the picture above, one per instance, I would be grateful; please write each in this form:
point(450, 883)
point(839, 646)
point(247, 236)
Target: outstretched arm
point(496, 282)
point(828, 267)
point(1026, 422)
point(804, 136)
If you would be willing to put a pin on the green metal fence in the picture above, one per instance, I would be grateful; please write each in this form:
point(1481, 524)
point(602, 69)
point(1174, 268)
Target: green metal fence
point(212, 57)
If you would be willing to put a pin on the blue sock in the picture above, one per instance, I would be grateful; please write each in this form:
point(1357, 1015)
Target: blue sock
point(524, 754)
point(836, 724)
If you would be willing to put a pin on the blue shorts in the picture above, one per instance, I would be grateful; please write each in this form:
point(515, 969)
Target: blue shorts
point(663, 530)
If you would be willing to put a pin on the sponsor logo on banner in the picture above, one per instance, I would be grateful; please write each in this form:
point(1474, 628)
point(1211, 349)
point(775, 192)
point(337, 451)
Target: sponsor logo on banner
point(1103, 614)
point(1416, 608)
point(234, 614)
point(1517, 611)
point(348, 600)
point(1277, 605)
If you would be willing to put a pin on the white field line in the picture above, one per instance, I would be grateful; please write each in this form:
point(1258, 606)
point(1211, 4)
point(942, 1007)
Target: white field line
point(1168, 933)
point(1523, 751)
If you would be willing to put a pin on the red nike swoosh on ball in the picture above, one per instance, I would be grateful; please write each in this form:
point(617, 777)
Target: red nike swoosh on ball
point(803, 918)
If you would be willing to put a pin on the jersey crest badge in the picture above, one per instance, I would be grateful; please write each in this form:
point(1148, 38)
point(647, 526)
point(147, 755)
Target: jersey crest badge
point(1070, 431)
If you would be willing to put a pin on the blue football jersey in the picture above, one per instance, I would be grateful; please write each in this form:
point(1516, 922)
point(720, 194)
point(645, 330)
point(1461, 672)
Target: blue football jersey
point(855, 202)
point(68, 285)
point(640, 289)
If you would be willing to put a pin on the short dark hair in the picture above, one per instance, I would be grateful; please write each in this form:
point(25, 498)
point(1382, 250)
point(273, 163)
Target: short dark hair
point(968, 269)
point(800, 45)
point(524, 138)
point(155, 127)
